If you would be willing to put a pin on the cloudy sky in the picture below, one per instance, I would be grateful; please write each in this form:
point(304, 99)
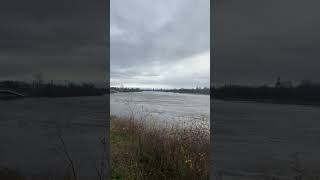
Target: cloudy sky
point(160, 43)
point(62, 39)
point(257, 40)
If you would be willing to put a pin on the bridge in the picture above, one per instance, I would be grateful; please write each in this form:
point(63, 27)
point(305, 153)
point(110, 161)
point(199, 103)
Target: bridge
point(10, 93)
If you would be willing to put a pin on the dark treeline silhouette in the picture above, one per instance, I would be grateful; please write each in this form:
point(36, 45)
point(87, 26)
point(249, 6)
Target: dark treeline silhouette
point(116, 89)
point(40, 89)
point(197, 90)
point(303, 93)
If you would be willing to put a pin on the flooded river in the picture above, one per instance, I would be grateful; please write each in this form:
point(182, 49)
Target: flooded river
point(265, 138)
point(30, 130)
point(247, 136)
point(164, 107)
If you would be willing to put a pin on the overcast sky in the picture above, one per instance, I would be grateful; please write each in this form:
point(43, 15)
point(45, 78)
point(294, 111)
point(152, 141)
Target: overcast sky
point(160, 43)
point(62, 39)
point(257, 40)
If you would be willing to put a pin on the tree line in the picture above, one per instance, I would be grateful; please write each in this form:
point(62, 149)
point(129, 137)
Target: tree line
point(305, 92)
point(197, 90)
point(41, 89)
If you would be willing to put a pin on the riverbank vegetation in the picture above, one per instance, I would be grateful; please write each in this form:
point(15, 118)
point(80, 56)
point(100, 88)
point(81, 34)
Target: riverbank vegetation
point(303, 93)
point(197, 90)
point(141, 152)
point(116, 89)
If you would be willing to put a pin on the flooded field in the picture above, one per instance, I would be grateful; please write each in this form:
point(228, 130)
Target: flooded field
point(265, 138)
point(30, 130)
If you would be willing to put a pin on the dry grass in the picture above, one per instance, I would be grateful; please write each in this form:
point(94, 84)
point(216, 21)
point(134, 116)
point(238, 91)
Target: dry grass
point(141, 152)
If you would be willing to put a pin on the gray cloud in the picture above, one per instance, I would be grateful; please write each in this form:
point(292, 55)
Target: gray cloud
point(256, 41)
point(147, 35)
point(65, 40)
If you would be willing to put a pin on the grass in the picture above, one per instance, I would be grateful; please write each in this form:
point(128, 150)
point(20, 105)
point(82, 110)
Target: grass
point(141, 152)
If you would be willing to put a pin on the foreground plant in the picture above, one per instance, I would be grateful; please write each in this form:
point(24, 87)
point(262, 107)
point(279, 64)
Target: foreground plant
point(140, 151)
